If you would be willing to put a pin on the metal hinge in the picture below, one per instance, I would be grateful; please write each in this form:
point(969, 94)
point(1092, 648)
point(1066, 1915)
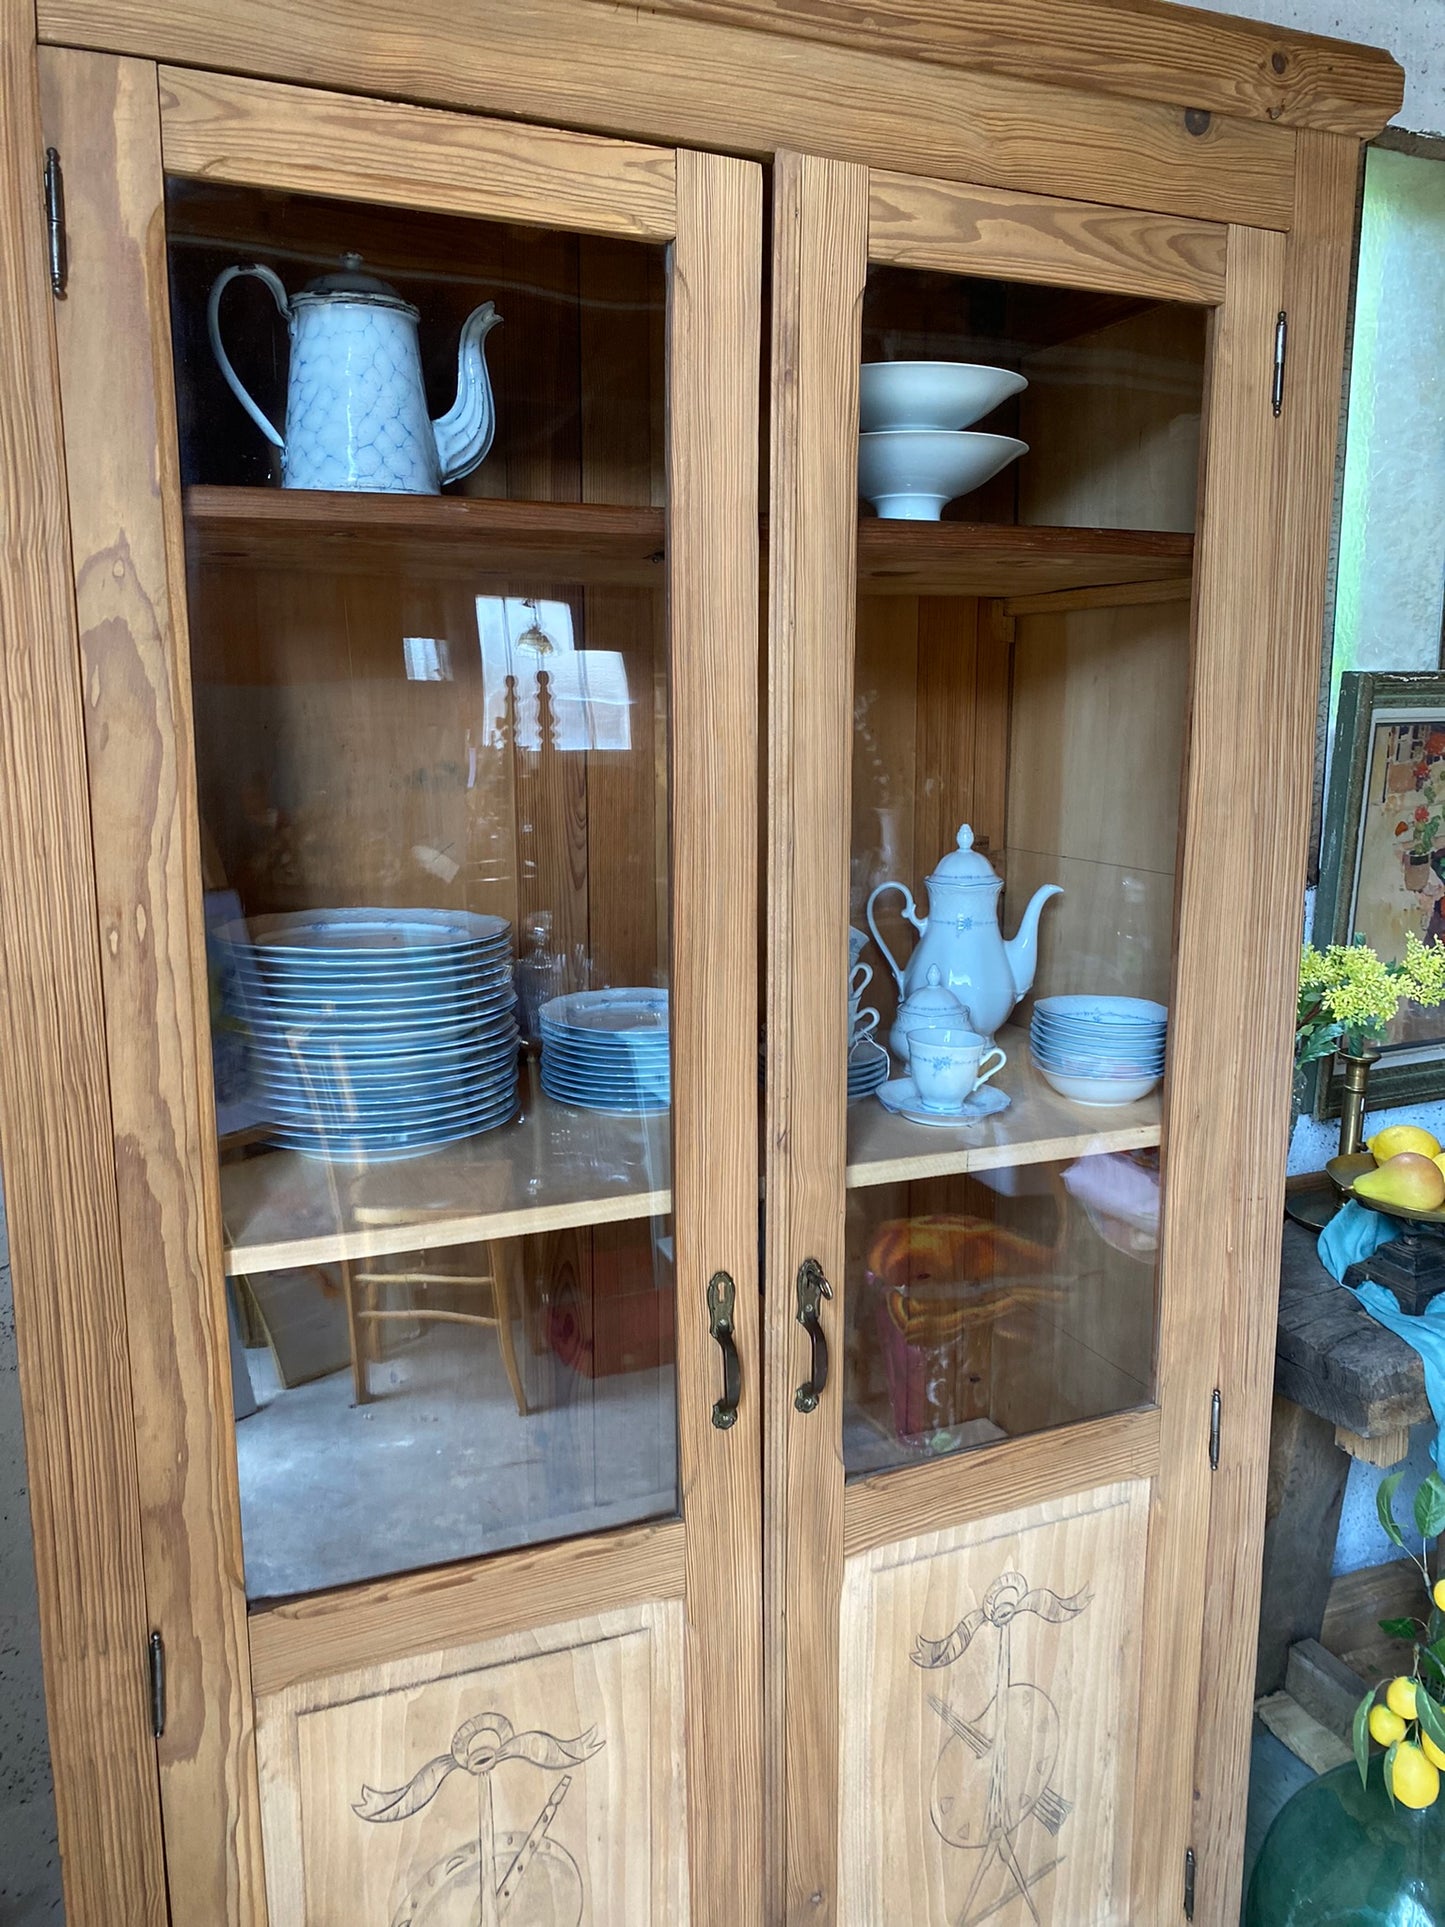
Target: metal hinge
point(1216, 1413)
point(158, 1684)
point(1189, 1883)
point(1281, 349)
point(55, 222)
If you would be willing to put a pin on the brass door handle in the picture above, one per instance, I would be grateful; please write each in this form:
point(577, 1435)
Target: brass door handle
point(813, 1288)
point(720, 1301)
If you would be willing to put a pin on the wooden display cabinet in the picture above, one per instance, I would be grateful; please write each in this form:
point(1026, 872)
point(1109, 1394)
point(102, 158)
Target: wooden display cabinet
point(625, 1631)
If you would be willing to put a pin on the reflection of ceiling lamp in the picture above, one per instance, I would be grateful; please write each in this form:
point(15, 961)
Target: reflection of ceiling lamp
point(534, 638)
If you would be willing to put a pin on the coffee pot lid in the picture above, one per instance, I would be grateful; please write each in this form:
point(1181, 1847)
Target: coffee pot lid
point(350, 279)
point(965, 864)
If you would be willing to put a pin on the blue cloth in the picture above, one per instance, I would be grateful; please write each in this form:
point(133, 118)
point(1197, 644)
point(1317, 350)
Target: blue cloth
point(1353, 1233)
point(1426, 1332)
point(1350, 1237)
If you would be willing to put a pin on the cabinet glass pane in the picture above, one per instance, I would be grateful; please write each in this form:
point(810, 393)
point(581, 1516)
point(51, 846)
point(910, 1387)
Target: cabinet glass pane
point(429, 672)
point(1029, 462)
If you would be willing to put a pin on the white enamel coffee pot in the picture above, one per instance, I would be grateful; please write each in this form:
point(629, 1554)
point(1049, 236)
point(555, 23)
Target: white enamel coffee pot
point(356, 414)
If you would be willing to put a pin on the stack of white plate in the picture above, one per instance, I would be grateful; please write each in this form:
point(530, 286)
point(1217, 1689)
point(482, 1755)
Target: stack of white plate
point(868, 1067)
point(607, 1050)
point(379, 1034)
point(917, 449)
point(1099, 1050)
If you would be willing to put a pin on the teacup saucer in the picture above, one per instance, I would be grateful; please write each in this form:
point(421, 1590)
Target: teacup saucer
point(900, 1094)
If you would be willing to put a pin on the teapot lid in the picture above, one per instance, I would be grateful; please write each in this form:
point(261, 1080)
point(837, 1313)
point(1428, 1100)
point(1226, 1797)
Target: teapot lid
point(965, 864)
point(350, 280)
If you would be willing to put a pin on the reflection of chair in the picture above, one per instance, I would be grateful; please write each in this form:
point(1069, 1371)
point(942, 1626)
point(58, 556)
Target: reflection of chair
point(363, 1283)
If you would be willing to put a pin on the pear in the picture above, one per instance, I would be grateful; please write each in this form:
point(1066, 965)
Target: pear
point(1408, 1179)
point(1396, 1138)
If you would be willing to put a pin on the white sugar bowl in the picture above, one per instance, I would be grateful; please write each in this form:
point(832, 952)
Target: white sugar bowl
point(931, 1007)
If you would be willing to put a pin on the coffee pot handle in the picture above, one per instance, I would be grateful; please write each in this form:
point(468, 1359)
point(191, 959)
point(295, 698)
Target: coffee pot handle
point(223, 360)
point(910, 910)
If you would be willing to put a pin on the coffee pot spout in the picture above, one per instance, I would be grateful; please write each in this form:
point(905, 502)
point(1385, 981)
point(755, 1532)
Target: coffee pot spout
point(1022, 949)
point(464, 433)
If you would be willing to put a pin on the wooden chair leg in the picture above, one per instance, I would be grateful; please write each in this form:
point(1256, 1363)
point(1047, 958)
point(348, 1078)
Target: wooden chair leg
point(356, 1333)
point(500, 1255)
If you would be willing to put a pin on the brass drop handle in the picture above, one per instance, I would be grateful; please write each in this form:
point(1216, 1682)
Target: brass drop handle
point(720, 1301)
point(813, 1288)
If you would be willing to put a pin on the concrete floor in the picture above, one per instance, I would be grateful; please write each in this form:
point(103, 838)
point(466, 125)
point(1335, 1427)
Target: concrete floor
point(29, 1856)
point(440, 1466)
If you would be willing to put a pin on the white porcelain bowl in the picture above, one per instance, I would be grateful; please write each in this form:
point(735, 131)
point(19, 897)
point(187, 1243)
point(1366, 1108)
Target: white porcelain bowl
point(909, 473)
point(931, 394)
point(1098, 1092)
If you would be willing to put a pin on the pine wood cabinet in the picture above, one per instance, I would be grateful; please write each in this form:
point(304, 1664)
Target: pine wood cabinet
point(679, 1487)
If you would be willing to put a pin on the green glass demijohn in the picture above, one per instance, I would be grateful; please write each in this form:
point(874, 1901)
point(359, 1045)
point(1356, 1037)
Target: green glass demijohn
point(1339, 1855)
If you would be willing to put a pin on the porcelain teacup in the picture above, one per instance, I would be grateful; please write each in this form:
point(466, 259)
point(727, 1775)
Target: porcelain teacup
point(861, 1024)
point(947, 1066)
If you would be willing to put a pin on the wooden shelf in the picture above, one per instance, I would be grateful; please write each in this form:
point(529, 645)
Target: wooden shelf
point(552, 1168)
point(427, 534)
point(594, 542)
point(1039, 1127)
point(1003, 559)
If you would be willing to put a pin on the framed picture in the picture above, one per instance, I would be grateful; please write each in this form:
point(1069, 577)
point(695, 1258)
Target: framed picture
point(1382, 862)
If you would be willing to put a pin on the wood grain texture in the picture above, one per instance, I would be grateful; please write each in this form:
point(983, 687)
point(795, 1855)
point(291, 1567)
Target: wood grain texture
point(619, 70)
point(820, 215)
point(1047, 1466)
point(1307, 1474)
point(1332, 1357)
point(1007, 558)
point(114, 344)
point(1117, 595)
point(427, 535)
point(951, 1677)
point(602, 1806)
point(386, 1620)
point(224, 128)
point(714, 345)
point(1216, 1226)
point(55, 1122)
point(1140, 49)
point(1279, 681)
point(951, 228)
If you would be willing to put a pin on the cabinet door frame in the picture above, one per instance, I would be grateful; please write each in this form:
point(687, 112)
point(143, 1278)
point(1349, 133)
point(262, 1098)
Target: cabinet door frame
point(830, 219)
point(122, 124)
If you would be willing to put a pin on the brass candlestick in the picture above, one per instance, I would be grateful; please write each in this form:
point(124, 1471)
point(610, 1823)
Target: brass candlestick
point(1352, 1109)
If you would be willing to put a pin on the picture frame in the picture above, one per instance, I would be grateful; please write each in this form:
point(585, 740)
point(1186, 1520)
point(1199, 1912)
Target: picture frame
point(1382, 862)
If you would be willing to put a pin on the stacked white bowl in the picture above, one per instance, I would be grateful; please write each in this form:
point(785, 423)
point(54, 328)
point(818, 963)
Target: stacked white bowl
point(1099, 1050)
point(916, 448)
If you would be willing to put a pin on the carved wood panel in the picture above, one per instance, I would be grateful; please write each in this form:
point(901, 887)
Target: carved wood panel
point(989, 1693)
point(533, 1781)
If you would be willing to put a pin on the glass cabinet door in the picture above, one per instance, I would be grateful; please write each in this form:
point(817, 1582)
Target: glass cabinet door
point(997, 616)
point(463, 449)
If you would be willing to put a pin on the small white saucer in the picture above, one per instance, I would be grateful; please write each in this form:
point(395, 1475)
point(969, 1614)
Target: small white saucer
point(900, 1094)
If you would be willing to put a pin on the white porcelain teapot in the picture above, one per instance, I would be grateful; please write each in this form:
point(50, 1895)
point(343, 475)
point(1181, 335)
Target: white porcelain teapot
point(961, 939)
point(356, 415)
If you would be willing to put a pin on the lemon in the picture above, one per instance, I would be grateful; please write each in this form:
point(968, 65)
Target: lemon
point(1402, 1137)
point(1438, 1595)
point(1400, 1697)
point(1387, 1727)
point(1415, 1781)
point(1432, 1752)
